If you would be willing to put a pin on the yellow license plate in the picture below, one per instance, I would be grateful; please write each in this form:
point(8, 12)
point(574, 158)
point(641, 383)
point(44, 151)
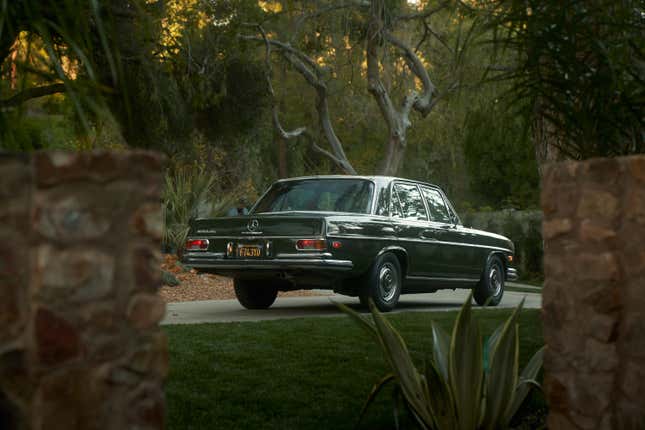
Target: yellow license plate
point(249, 251)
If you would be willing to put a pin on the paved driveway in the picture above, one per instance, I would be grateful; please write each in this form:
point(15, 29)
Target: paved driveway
point(322, 306)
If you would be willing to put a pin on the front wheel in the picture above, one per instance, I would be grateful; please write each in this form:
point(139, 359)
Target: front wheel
point(382, 283)
point(255, 294)
point(490, 289)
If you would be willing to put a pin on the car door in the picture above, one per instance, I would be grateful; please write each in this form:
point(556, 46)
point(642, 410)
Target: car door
point(438, 236)
point(410, 220)
point(477, 253)
point(457, 256)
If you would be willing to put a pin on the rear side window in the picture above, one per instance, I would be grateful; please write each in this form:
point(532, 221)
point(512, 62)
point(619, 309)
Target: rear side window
point(383, 201)
point(436, 205)
point(396, 206)
point(411, 201)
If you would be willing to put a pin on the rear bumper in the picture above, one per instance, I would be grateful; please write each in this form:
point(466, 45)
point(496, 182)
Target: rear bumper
point(511, 274)
point(217, 262)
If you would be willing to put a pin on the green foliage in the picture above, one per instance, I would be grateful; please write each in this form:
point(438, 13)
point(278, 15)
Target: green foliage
point(68, 42)
point(466, 385)
point(577, 65)
point(500, 159)
point(38, 132)
point(168, 278)
point(524, 228)
point(186, 187)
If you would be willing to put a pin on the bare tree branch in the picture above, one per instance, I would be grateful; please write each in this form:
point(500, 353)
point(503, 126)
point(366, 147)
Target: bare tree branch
point(312, 73)
point(32, 93)
point(398, 120)
point(347, 4)
point(423, 14)
point(420, 102)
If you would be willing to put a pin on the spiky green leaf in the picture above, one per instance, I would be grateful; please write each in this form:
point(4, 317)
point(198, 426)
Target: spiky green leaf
point(407, 376)
point(529, 373)
point(375, 390)
point(501, 379)
point(466, 367)
point(441, 350)
point(439, 398)
point(360, 320)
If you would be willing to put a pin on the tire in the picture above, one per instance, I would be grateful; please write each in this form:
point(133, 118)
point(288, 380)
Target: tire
point(255, 294)
point(382, 283)
point(490, 288)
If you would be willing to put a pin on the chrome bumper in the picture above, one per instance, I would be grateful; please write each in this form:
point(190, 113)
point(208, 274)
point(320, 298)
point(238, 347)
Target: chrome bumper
point(217, 261)
point(511, 274)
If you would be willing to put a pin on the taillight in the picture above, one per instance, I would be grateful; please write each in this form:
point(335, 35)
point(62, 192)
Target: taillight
point(311, 245)
point(196, 245)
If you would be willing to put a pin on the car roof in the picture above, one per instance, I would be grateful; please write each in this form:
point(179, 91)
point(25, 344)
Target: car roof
point(374, 178)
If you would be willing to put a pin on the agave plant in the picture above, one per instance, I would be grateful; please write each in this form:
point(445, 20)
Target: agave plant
point(467, 384)
point(185, 189)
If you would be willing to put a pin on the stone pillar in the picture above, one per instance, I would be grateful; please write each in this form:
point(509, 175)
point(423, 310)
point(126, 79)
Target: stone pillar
point(80, 346)
point(594, 293)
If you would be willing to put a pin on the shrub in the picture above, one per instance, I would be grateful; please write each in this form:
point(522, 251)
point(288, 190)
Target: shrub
point(466, 385)
point(186, 187)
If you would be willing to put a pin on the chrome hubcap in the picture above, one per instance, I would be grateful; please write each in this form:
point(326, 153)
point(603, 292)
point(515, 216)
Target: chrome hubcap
point(388, 282)
point(495, 280)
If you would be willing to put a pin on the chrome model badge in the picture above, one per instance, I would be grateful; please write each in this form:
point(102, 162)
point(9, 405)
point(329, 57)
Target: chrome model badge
point(253, 225)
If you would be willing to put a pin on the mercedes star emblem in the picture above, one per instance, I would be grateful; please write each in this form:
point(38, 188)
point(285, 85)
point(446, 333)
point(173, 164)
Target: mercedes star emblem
point(253, 225)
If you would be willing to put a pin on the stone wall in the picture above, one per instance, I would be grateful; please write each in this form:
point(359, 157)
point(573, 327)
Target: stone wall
point(594, 293)
point(80, 346)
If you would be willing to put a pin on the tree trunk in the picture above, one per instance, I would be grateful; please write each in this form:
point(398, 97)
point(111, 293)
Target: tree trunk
point(281, 145)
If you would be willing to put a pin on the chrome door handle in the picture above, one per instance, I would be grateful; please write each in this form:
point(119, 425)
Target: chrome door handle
point(427, 235)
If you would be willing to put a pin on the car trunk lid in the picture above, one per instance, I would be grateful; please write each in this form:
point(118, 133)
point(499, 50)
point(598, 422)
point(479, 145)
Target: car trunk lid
point(260, 226)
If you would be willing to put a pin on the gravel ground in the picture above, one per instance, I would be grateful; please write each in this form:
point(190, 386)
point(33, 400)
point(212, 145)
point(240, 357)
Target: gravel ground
point(203, 286)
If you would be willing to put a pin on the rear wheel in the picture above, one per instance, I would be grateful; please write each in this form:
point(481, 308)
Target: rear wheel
point(255, 294)
point(382, 283)
point(490, 289)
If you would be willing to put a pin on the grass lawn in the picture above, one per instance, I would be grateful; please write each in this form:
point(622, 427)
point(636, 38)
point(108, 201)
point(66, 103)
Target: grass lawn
point(310, 373)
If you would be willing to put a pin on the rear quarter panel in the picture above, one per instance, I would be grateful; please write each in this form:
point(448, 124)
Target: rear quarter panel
point(362, 238)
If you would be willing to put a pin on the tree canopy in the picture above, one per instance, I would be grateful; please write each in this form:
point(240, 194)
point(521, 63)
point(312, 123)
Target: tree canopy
point(250, 90)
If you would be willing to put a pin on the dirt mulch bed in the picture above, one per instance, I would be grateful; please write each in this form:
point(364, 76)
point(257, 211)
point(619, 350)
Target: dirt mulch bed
point(203, 286)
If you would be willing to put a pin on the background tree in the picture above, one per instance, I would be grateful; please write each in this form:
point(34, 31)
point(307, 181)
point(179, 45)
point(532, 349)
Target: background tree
point(375, 24)
point(577, 71)
point(185, 83)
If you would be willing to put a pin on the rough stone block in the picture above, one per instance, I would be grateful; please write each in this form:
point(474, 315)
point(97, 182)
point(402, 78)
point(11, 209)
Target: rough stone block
point(147, 220)
point(635, 206)
point(57, 340)
point(151, 356)
point(147, 270)
point(637, 168)
point(595, 267)
point(74, 274)
point(147, 410)
point(71, 217)
point(598, 205)
point(16, 181)
point(146, 310)
point(560, 421)
point(594, 232)
point(594, 292)
point(77, 350)
point(632, 381)
point(12, 281)
point(556, 227)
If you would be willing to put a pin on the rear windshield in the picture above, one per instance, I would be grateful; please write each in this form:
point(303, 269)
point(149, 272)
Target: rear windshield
point(326, 195)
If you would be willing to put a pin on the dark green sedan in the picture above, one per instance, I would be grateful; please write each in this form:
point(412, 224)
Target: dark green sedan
point(367, 236)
